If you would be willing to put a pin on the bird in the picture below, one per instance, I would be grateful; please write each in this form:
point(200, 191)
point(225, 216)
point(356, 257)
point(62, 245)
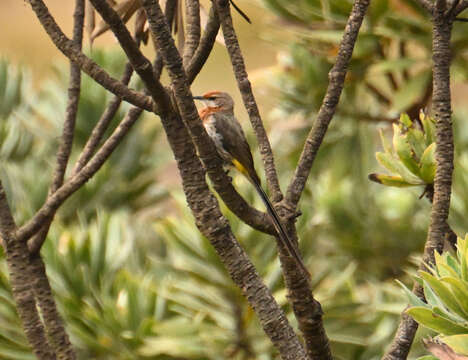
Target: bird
point(231, 144)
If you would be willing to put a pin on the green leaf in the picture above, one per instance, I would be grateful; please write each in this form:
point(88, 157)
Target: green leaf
point(436, 322)
point(394, 165)
point(405, 120)
point(459, 343)
point(462, 254)
point(444, 294)
point(385, 144)
point(417, 141)
point(428, 164)
point(428, 126)
point(459, 289)
point(404, 151)
point(389, 180)
point(413, 299)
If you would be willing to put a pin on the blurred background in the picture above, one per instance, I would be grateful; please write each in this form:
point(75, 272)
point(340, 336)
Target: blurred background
point(133, 277)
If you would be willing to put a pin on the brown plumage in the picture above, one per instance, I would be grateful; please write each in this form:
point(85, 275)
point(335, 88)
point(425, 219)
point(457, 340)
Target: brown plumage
point(231, 143)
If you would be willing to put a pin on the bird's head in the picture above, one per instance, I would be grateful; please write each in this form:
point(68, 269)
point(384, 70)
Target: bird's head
point(217, 99)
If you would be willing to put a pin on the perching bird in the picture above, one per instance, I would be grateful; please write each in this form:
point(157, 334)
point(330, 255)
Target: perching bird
point(228, 136)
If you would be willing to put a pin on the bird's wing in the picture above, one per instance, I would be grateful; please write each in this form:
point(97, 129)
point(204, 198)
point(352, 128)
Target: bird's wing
point(234, 142)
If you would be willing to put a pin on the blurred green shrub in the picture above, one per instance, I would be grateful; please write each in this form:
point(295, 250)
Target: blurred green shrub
point(446, 291)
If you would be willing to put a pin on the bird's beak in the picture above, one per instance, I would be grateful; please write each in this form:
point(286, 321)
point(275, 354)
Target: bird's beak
point(198, 98)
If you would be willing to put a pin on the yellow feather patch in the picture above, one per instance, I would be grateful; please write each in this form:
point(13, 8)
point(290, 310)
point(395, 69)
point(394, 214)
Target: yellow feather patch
point(240, 167)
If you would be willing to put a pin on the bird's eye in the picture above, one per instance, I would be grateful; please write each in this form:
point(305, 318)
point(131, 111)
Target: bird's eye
point(212, 98)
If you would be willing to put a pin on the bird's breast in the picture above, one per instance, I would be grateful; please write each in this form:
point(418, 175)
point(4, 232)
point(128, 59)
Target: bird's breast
point(217, 137)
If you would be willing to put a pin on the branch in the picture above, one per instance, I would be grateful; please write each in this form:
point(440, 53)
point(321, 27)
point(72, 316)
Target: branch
point(139, 62)
point(427, 4)
point(68, 132)
point(51, 317)
point(192, 18)
point(54, 201)
point(307, 309)
point(330, 102)
point(41, 287)
point(21, 279)
point(204, 206)
point(238, 65)
point(460, 8)
point(88, 66)
point(438, 228)
point(441, 105)
point(208, 153)
point(102, 125)
point(205, 46)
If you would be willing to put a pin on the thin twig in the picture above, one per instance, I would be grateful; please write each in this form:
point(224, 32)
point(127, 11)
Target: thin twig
point(75, 182)
point(21, 280)
point(88, 66)
point(139, 62)
point(330, 102)
point(68, 131)
point(238, 65)
point(102, 125)
point(202, 202)
point(192, 39)
point(204, 48)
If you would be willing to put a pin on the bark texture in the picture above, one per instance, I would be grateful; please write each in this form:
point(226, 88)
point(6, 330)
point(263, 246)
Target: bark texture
point(21, 279)
point(441, 107)
point(335, 86)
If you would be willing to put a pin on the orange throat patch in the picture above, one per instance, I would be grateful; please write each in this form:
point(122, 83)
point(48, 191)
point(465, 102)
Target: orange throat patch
point(207, 111)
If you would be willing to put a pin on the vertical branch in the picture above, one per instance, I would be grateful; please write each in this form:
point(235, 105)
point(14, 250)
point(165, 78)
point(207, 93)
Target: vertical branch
point(441, 106)
point(42, 290)
point(21, 282)
point(204, 48)
point(52, 320)
point(102, 125)
point(203, 204)
point(438, 227)
point(330, 102)
point(66, 141)
point(192, 38)
point(238, 65)
point(307, 309)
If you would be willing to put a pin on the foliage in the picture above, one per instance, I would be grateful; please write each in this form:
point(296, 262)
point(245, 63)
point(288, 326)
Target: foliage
point(29, 142)
point(411, 160)
point(133, 286)
point(390, 71)
point(446, 291)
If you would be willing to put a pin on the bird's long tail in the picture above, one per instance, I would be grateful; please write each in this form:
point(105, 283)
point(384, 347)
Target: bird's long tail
point(285, 239)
